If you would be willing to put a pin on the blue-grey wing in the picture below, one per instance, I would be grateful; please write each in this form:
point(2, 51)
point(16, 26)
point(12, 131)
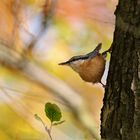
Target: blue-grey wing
point(92, 54)
point(95, 52)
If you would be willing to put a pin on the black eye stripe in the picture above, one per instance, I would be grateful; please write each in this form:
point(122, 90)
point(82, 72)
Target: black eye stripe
point(78, 58)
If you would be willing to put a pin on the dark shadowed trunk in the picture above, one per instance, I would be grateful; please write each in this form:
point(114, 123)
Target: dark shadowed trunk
point(120, 117)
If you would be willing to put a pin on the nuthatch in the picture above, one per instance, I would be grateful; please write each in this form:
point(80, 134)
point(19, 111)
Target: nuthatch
point(91, 66)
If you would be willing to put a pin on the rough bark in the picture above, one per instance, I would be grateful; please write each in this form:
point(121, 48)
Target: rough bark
point(120, 117)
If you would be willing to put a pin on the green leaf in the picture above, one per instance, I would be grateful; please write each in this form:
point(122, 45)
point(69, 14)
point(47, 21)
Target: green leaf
point(53, 112)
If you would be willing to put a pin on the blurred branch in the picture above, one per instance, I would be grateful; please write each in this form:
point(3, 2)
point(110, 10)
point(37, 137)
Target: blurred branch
point(36, 74)
point(15, 7)
point(35, 96)
point(48, 10)
point(20, 106)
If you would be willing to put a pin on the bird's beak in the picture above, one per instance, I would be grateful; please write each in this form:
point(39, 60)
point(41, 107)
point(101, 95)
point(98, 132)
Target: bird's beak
point(64, 63)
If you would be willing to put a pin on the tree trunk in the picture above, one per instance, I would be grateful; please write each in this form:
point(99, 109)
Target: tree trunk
point(120, 117)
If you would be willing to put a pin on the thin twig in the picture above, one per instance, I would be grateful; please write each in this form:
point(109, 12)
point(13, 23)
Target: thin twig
point(45, 126)
point(49, 133)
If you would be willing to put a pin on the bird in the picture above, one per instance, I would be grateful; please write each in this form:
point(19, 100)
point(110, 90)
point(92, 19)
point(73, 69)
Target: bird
point(90, 66)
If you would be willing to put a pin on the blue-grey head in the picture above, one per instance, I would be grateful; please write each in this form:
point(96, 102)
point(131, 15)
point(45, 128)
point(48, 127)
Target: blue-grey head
point(92, 54)
point(75, 61)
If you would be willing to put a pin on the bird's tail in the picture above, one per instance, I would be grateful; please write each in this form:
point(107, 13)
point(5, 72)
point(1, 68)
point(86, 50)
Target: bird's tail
point(95, 51)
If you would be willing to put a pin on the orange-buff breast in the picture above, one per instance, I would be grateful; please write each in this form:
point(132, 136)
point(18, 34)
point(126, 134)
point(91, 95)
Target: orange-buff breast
point(92, 70)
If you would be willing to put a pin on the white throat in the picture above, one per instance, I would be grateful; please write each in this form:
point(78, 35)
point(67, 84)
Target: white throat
point(75, 65)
